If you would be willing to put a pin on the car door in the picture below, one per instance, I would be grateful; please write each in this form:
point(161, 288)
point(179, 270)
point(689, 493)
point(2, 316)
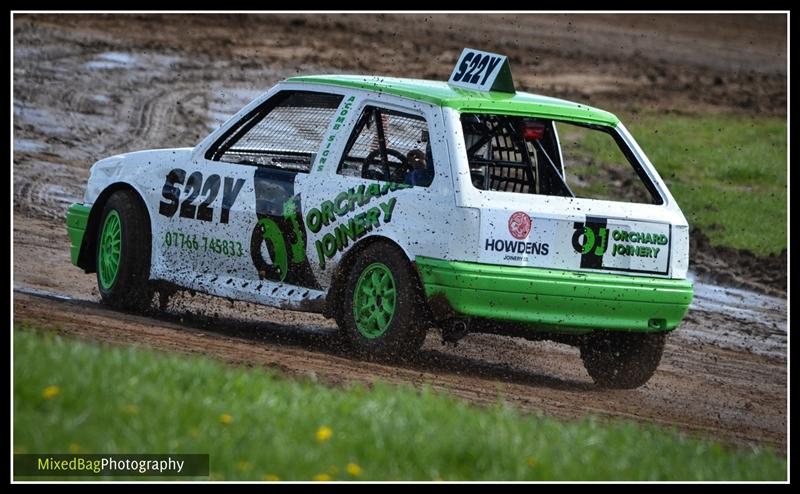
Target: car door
point(235, 213)
point(389, 176)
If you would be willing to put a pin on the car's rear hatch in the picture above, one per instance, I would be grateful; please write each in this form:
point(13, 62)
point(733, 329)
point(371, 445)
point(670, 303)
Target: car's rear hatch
point(552, 194)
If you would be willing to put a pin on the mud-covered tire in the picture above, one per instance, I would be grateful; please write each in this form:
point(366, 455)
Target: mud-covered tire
point(622, 360)
point(375, 324)
point(123, 253)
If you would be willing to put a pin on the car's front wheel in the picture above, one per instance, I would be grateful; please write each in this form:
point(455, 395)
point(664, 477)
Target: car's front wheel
point(123, 253)
point(620, 359)
point(383, 313)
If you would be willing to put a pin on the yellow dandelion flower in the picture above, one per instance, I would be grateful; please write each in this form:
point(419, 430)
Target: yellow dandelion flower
point(324, 433)
point(270, 477)
point(225, 419)
point(50, 392)
point(353, 469)
point(322, 477)
point(131, 409)
point(531, 462)
point(74, 448)
point(244, 466)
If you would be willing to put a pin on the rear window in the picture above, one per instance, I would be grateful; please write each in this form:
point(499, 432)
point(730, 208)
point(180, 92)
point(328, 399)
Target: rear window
point(538, 156)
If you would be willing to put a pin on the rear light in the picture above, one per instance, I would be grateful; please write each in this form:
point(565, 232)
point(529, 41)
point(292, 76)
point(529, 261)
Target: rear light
point(533, 131)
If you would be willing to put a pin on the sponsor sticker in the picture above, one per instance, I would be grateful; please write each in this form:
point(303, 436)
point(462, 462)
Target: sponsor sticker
point(515, 238)
point(519, 225)
point(520, 238)
point(615, 245)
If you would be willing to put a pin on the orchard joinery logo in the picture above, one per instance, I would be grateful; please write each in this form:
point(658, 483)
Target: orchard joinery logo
point(593, 241)
point(519, 225)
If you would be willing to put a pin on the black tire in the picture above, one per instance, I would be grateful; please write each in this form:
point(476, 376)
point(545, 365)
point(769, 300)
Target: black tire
point(130, 289)
point(407, 327)
point(622, 360)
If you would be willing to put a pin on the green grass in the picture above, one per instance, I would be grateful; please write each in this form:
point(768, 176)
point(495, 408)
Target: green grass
point(127, 400)
point(728, 173)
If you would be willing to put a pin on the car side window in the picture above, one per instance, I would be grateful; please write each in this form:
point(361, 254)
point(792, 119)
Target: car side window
point(390, 146)
point(284, 132)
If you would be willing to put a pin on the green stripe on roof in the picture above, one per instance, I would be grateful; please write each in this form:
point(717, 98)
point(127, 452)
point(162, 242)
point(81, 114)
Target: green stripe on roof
point(463, 100)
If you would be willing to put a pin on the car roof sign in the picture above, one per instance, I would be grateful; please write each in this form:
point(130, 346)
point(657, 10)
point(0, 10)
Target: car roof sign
point(482, 71)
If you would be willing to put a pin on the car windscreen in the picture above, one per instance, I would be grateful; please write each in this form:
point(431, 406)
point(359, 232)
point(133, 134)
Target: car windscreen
point(557, 158)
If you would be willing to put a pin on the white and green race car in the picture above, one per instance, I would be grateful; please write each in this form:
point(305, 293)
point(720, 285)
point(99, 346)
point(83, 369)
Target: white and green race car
point(396, 205)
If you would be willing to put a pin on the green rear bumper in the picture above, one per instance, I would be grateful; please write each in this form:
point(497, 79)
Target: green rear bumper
point(554, 299)
point(77, 219)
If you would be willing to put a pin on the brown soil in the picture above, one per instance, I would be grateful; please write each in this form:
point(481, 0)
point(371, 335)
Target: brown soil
point(738, 268)
point(88, 86)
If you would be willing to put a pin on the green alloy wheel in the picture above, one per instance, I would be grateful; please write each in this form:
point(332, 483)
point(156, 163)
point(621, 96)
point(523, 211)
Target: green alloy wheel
point(375, 300)
point(384, 312)
point(110, 248)
point(122, 259)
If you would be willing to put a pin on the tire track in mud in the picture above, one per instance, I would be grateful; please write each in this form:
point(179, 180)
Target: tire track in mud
point(155, 119)
point(48, 191)
point(98, 100)
point(703, 391)
point(46, 182)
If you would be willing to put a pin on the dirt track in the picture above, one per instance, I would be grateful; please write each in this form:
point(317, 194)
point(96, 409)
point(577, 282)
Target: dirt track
point(88, 86)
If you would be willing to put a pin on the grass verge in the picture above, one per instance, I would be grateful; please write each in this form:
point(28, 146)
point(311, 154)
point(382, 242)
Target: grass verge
point(75, 397)
point(728, 172)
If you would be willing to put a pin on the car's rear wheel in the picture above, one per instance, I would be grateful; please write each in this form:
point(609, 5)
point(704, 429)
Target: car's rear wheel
point(123, 253)
point(383, 311)
point(620, 359)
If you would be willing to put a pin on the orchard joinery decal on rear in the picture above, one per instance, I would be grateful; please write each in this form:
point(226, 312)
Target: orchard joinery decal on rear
point(637, 237)
point(356, 227)
point(620, 245)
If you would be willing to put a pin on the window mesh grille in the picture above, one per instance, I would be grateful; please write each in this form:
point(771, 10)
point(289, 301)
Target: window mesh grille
point(402, 133)
point(288, 136)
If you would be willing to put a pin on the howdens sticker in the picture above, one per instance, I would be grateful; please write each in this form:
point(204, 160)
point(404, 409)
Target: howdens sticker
point(515, 238)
